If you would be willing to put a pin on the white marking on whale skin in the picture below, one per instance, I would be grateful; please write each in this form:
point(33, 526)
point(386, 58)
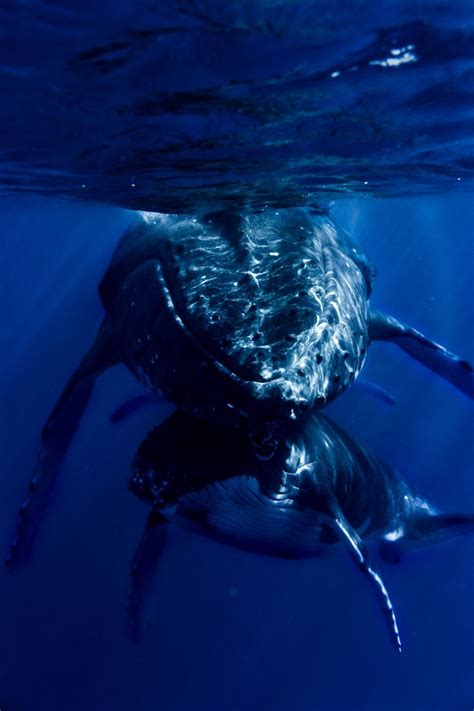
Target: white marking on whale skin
point(395, 535)
point(388, 603)
point(150, 217)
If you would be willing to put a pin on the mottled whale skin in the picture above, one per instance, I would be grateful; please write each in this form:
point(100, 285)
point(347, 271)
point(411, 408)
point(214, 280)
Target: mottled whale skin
point(250, 320)
point(320, 488)
point(243, 319)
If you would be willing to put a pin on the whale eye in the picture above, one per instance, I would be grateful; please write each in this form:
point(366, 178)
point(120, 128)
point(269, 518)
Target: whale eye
point(319, 359)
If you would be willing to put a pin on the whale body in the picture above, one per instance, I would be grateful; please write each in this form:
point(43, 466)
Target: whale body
point(250, 320)
point(321, 488)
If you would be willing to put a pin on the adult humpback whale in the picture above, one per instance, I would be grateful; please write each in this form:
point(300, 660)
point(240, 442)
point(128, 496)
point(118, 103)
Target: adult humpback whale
point(319, 488)
point(249, 320)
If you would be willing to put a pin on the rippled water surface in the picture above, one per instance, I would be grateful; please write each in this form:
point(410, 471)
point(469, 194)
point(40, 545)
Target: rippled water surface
point(168, 105)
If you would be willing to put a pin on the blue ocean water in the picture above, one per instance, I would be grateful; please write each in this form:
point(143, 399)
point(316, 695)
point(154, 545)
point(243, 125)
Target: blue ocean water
point(182, 106)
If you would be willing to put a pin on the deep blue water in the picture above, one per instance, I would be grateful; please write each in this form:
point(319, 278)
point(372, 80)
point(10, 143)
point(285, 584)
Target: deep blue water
point(188, 105)
point(228, 628)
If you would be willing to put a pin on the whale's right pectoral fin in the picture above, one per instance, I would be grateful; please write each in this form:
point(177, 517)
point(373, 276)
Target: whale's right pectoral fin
point(448, 366)
point(424, 530)
point(143, 568)
point(56, 437)
point(348, 536)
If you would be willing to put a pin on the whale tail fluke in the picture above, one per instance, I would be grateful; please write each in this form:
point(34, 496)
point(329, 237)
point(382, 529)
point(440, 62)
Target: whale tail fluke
point(425, 530)
point(447, 365)
point(56, 438)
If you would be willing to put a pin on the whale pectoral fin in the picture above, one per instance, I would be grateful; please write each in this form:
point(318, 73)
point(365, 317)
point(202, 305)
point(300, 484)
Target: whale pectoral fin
point(359, 553)
point(376, 391)
point(448, 366)
point(135, 404)
point(425, 530)
point(143, 567)
point(56, 437)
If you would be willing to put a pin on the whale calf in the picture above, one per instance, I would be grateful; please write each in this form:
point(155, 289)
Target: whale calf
point(319, 489)
point(246, 319)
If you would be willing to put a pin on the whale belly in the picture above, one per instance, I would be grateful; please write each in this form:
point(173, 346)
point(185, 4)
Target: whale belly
point(237, 512)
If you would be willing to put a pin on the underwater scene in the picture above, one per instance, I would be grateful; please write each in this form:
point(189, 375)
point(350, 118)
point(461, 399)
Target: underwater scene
point(236, 393)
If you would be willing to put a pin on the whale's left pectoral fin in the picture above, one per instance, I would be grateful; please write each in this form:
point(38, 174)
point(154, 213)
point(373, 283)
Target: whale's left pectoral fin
point(143, 568)
point(424, 530)
point(57, 436)
point(359, 553)
point(450, 367)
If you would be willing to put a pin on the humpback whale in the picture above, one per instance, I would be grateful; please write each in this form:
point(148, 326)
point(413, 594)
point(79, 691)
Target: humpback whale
point(251, 320)
point(319, 489)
